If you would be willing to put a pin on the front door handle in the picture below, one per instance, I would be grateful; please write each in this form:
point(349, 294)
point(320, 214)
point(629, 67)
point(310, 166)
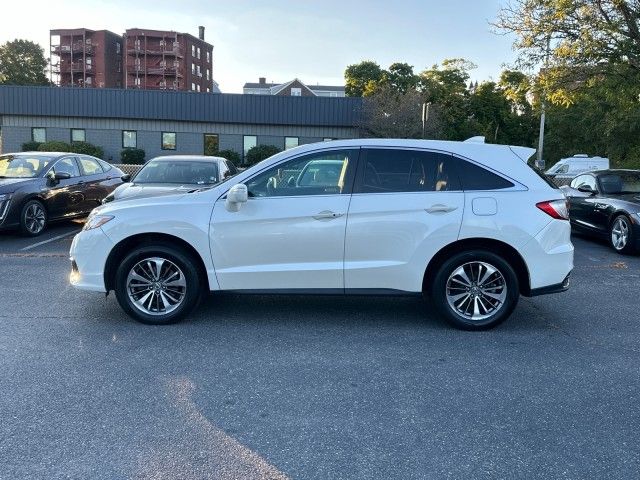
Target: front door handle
point(327, 215)
point(440, 208)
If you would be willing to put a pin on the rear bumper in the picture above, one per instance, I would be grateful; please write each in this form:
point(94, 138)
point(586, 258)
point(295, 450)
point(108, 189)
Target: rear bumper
point(549, 259)
point(557, 288)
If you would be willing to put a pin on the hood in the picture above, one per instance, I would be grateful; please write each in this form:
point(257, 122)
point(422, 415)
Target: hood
point(12, 184)
point(130, 191)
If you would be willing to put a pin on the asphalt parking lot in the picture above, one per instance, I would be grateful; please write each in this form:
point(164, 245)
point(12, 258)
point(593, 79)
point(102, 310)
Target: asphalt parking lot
point(315, 387)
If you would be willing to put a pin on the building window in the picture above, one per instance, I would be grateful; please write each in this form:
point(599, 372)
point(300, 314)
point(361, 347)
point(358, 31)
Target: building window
point(129, 139)
point(136, 44)
point(193, 86)
point(208, 57)
point(168, 140)
point(211, 143)
point(296, 92)
point(198, 53)
point(290, 142)
point(248, 142)
point(208, 74)
point(193, 50)
point(197, 88)
point(199, 71)
point(136, 82)
point(38, 135)
point(118, 47)
point(78, 135)
point(193, 69)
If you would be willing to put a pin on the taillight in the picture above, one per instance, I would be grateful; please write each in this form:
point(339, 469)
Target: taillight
point(558, 209)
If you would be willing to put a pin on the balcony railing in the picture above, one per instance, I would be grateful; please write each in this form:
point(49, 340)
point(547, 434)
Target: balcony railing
point(168, 71)
point(78, 47)
point(156, 50)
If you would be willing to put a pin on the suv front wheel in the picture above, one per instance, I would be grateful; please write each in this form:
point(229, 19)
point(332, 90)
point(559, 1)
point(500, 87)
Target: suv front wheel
point(475, 290)
point(157, 284)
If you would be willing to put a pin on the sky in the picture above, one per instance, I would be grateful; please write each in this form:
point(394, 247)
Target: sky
point(286, 39)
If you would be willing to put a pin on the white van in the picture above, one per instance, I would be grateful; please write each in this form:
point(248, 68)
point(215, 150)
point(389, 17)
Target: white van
point(570, 167)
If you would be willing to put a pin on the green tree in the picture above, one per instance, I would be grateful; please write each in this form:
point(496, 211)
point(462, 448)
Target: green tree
point(22, 63)
point(361, 77)
point(260, 152)
point(400, 77)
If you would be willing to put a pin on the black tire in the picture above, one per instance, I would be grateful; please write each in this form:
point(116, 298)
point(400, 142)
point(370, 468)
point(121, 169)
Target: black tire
point(628, 247)
point(33, 218)
point(180, 259)
point(446, 285)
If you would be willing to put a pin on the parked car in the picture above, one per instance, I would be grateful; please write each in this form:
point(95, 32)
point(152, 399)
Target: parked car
point(173, 174)
point(606, 204)
point(39, 187)
point(568, 168)
point(471, 225)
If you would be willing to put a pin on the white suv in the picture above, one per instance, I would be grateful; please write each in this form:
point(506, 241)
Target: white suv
point(469, 224)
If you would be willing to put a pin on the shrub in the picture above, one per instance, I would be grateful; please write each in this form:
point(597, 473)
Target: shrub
point(259, 153)
point(30, 146)
point(233, 157)
point(54, 146)
point(132, 156)
point(86, 148)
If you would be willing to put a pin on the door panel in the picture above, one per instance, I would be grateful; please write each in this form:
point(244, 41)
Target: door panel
point(407, 205)
point(67, 197)
point(290, 232)
point(278, 243)
point(391, 237)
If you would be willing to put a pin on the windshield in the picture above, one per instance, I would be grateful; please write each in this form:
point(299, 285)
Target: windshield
point(22, 166)
point(620, 182)
point(178, 172)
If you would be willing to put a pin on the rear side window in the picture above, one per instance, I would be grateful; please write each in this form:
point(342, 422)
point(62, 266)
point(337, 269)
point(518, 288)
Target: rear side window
point(105, 166)
point(474, 177)
point(394, 170)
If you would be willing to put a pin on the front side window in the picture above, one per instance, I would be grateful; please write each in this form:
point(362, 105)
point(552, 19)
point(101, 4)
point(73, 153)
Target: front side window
point(38, 135)
point(290, 142)
point(582, 180)
point(78, 135)
point(90, 166)
point(211, 143)
point(248, 142)
point(393, 170)
point(129, 139)
point(66, 165)
point(168, 140)
point(316, 174)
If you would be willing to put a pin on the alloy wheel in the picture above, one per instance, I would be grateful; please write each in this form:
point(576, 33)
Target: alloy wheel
point(476, 290)
point(34, 218)
point(156, 286)
point(620, 233)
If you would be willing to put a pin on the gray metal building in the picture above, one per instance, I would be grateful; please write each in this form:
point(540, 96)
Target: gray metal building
point(164, 123)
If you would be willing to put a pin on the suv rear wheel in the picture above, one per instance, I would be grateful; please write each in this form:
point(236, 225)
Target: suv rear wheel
point(475, 290)
point(157, 284)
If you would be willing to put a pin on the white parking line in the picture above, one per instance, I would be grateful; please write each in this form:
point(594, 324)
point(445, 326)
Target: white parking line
point(44, 242)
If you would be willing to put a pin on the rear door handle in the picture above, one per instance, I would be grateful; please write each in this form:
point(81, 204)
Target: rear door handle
point(327, 215)
point(440, 208)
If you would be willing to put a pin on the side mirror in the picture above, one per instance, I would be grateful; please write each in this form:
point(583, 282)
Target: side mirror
point(56, 177)
point(236, 196)
point(586, 189)
point(126, 177)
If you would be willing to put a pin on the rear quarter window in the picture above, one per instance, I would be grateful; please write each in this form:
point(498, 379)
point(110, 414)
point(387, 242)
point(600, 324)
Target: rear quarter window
point(473, 177)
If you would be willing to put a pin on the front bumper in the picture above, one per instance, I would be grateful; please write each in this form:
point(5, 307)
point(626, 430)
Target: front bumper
point(88, 255)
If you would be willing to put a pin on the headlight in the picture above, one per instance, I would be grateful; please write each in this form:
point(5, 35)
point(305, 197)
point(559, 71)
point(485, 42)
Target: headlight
point(4, 204)
point(95, 221)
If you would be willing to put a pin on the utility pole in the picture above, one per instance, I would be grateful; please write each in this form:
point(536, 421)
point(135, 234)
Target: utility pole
point(543, 108)
point(425, 118)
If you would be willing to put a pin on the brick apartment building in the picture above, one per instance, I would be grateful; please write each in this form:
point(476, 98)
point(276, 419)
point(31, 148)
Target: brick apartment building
point(140, 59)
point(86, 58)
